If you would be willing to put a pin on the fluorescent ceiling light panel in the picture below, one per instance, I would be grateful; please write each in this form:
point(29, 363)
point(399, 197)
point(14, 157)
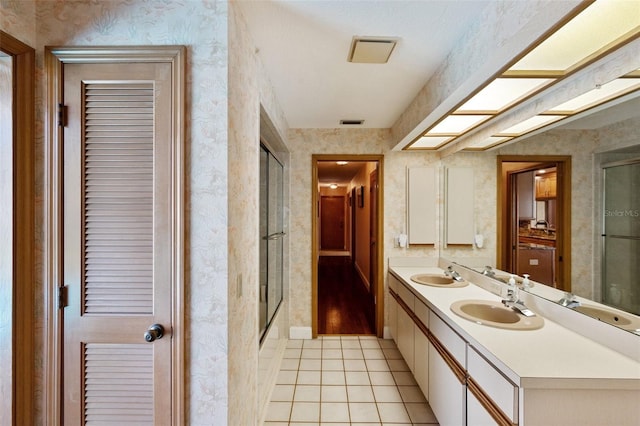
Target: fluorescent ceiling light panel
point(600, 24)
point(529, 125)
point(606, 92)
point(430, 142)
point(503, 92)
point(371, 50)
point(456, 124)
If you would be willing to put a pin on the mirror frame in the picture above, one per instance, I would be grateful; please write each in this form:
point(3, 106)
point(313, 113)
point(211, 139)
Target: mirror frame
point(19, 408)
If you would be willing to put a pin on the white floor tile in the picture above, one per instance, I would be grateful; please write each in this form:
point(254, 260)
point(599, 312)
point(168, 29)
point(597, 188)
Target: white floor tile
point(381, 378)
point(311, 364)
point(332, 365)
point(333, 378)
point(334, 412)
point(305, 412)
point(373, 353)
point(363, 412)
point(352, 354)
point(355, 365)
point(377, 365)
point(392, 353)
point(333, 394)
point(308, 378)
point(331, 353)
point(397, 365)
point(357, 378)
point(312, 344)
point(370, 344)
point(307, 393)
point(386, 343)
point(393, 412)
point(360, 394)
point(294, 343)
point(311, 353)
point(386, 394)
point(292, 353)
point(351, 344)
point(331, 344)
point(404, 378)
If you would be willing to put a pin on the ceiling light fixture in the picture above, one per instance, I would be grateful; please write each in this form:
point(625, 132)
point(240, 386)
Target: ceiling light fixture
point(591, 33)
point(333, 186)
point(342, 163)
point(371, 50)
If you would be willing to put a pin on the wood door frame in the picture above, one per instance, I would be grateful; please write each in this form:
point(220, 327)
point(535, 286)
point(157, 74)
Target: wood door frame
point(55, 58)
point(563, 235)
point(22, 363)
point(379, 311)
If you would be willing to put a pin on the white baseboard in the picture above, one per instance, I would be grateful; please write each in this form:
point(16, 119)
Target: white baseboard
point(386, 333)
point(299, 332)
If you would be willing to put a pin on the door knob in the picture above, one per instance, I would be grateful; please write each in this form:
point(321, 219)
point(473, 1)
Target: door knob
point(156, 331)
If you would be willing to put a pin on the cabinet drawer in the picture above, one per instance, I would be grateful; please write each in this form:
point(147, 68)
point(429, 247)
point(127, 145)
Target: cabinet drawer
point(422, 312)
point(498, 388)
point(394, 283)
point(454, 344)
point(406, 296)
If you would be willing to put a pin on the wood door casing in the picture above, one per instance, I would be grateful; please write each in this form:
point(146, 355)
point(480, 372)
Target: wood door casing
point(116, 204)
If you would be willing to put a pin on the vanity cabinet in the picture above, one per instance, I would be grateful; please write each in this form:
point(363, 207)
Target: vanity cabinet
point(460, 385)
point(405, 341)
point(392, 306)
point(421, 347)
point(447, 377)
point(546, 186)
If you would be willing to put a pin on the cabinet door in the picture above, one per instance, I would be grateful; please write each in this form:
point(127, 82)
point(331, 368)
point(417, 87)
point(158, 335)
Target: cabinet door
point(421, 361)
point(525, 195)
point(476, 413)
point(447, 396)
point(393, 319)
point(405, 337)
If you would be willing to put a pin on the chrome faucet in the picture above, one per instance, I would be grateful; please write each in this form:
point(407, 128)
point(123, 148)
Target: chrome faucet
point(569, 300)
point(512, 301)
point(546, 225)
point(453, 274)
point(488, 271)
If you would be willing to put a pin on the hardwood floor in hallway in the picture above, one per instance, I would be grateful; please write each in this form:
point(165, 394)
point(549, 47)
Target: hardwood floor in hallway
point(344, 304)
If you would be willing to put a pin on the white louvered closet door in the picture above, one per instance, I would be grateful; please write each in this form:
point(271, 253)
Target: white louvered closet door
point(117, 244)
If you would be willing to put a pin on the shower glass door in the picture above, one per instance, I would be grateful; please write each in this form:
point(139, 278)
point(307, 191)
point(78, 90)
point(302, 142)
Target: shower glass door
point(621, 236)
point(271, 238)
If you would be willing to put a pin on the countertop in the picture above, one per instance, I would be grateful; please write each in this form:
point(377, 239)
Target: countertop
point(552, 356)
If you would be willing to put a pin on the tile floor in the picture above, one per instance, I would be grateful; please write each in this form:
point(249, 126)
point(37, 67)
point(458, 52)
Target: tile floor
point(344, 380)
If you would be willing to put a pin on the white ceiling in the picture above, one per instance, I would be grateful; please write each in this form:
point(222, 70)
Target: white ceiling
point(304, 47)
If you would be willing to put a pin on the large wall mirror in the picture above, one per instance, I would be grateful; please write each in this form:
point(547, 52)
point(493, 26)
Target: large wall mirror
point(604, 245)
point(17, 101)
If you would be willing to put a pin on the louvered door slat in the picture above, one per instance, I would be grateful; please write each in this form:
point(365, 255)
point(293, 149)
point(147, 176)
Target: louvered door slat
point(118, 383)
point(119, 186)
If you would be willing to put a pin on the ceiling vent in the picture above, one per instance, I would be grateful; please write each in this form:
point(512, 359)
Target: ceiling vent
point(351, 122)
point(371, 50)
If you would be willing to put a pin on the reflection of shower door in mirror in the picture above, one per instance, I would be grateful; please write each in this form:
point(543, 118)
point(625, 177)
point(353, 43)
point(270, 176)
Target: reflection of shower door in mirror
point(621, 236)
point(271, 237)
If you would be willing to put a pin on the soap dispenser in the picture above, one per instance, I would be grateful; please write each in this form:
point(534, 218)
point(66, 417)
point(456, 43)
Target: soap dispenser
point(512, 289)
point(526, 284)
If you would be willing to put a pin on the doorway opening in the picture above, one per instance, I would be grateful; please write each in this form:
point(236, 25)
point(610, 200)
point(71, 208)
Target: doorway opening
point(534, 218)
point(346, 221)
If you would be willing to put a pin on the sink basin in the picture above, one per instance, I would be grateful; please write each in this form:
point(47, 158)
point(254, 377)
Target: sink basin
point(495, 314)
point(436, 280)
point(610, 316)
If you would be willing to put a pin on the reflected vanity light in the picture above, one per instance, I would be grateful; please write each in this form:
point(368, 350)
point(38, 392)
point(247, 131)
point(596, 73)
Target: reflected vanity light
point(590, 34)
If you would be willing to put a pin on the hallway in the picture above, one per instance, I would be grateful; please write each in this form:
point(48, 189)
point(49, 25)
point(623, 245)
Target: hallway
point(346, 380)
point(344, 305)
